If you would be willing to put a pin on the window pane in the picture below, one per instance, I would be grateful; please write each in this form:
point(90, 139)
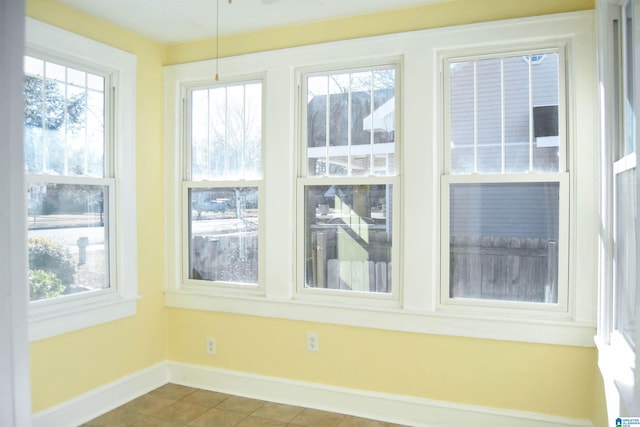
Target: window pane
point(226, 132)
point(345, 135)
point(68, 244)
point(383, 121)
point(489, 101)
point(223, 234)
point(461, 98)
point(516, 114)
point(348, 237)
point(626, 295)
point(504, 115)
point(64, 120)
point(628, 144)
point(504, 241)
point(544, 94)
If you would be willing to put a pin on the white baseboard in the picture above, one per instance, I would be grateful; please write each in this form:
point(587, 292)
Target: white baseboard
point(103, 399)
point(392, 408)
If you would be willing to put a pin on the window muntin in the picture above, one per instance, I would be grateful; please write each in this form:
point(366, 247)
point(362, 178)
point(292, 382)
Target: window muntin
point(504, 180)
point(349, 177)
point(69, 179)
point(222, 195)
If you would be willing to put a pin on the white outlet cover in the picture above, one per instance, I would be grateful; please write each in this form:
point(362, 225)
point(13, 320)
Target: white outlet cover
point(312, 342)
point(211, 346)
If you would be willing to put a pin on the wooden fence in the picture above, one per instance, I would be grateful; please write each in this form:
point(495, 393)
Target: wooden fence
point(340, 262)
point(499, 268)
point(226, 257)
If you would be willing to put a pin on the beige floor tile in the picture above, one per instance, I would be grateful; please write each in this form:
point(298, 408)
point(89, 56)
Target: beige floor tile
point(315, 418)
point(156, 422)
point(173, 405)
point(360, 422)
point(180, 412)
point(116, 418)
point(173, 391)
point(278, 412)
point(241, 405)
point(252, 421)
point(216, 418)
point(147, 404)
point(205, 398)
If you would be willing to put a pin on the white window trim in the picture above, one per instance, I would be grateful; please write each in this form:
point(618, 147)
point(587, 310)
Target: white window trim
point(421, 129)
point(58, 316)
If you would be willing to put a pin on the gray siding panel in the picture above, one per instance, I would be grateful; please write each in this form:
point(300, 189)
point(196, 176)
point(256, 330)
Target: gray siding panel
point(526, 210)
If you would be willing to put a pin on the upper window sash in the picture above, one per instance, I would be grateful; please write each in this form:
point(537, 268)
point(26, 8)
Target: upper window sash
point(224, 131)
point(505, 112)
point(69, 107)
point(349, 122)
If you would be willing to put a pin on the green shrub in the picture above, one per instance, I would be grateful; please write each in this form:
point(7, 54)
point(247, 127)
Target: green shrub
point(44, 284)
point(53, 258)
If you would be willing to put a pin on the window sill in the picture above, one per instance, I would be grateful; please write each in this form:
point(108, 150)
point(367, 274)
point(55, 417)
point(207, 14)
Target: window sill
point(560, 332)
point(616, 362)
point(49, 321)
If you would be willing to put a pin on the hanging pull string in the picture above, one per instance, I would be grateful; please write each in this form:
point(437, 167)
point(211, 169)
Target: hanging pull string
point(218, 36)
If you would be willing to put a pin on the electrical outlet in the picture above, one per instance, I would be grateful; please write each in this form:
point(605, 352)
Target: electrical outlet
point(312, 341)
point(211, 345)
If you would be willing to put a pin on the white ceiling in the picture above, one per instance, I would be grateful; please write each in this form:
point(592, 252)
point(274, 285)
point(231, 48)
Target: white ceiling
point(173, 21)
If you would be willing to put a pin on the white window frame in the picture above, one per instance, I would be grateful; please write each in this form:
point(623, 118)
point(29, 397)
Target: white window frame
point(60, 315)
point(562, 177)
point(417, 308)
point(324, 295)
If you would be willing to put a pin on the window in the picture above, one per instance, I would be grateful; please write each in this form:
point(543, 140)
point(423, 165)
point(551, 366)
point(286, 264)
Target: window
point(626, 295)
point(619, 297)
point(69, 179)
point(80, 174)
point(505, 180)
point(348, 179)
point(222, 189)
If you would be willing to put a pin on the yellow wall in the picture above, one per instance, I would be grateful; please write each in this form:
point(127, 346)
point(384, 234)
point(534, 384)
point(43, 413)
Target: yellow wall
point(66, 366)
point(531, 377)
point(600, 416)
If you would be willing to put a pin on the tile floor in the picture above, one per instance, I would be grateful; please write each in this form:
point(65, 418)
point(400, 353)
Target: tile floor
point(175, 405)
